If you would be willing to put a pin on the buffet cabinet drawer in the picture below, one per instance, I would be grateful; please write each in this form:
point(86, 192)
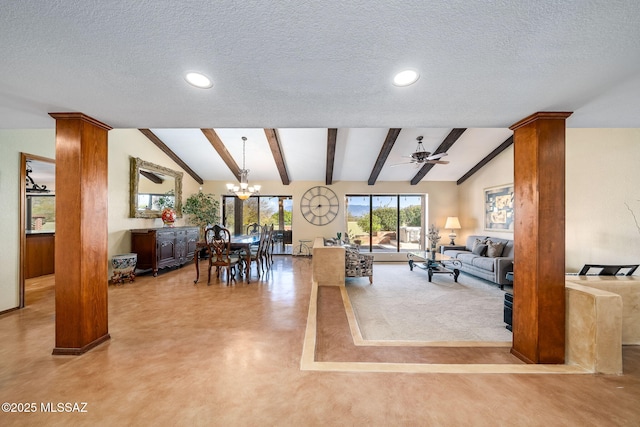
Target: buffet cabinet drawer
point(165, 247)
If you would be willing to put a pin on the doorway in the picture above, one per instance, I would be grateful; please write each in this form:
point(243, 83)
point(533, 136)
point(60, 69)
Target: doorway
point(37, 219)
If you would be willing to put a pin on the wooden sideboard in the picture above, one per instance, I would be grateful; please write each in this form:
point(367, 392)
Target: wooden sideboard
point(164, 247)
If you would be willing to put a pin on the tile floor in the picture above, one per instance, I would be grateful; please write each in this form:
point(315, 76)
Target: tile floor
point(181, 354)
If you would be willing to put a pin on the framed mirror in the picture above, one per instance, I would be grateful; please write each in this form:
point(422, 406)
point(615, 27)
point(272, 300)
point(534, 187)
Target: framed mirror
point(149, 182)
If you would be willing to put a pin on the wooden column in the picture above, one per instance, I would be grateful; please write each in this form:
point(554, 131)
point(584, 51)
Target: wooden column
point(539, 234)
point(81, 233)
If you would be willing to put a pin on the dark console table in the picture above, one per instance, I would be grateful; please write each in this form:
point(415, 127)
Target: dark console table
point(164, 247)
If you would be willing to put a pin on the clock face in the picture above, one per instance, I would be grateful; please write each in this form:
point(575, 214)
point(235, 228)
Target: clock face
point(319, 205)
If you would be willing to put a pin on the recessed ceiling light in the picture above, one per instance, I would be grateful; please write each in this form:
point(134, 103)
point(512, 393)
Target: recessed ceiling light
point(198, 80)
point(406, 78)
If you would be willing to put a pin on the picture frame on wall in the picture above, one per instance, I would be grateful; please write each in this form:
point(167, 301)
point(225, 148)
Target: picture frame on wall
point(498, 208)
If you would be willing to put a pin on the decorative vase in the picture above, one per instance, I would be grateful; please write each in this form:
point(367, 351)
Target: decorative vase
point(124, 267)
point(168, 217)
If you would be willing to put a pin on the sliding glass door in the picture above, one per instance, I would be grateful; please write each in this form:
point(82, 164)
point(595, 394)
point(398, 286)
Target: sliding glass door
point(386, 223)
point(238, 214)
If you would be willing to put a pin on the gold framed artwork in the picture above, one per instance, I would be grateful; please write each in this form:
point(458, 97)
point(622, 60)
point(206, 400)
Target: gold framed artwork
point(498, 208)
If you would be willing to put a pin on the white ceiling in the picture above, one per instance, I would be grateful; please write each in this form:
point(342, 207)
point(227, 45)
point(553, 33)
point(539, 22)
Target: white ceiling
point(303, 67)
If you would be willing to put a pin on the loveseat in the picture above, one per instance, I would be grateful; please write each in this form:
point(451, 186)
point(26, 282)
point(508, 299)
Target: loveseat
point(489, 258)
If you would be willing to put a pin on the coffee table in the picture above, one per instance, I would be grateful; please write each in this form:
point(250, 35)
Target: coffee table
point(434, 263)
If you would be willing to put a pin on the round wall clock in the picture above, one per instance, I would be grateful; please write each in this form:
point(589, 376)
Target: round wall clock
point(319, 205)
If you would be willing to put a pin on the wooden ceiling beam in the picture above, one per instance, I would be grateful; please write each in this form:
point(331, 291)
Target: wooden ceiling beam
point(486, 160)
point(151, 177)
point(222, 151)
point(443, 148)
point(278, 157)
point(332, 136)
point(173, 156)
point(391, 138)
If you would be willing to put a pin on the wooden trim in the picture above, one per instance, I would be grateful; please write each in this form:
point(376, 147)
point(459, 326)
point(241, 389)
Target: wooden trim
point(507, 142)
point(9, 310)
point(389, 141)
point(332, 136)
point(539, 304)
point(81, 289)
point(73, 351)
point(446, 144)
point(276, 151)
point(23, 226)
point(541, 115)
point(219, 146)
point(80, 116)
point(173, 156)
point(152, 177)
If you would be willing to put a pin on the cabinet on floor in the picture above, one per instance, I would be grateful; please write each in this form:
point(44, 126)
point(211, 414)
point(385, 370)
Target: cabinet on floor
point(164, 247)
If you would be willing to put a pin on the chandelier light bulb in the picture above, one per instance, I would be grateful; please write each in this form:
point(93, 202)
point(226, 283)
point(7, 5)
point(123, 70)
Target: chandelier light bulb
point(243, 191)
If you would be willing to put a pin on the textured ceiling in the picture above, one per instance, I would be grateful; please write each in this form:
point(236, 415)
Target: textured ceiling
point(304, 64)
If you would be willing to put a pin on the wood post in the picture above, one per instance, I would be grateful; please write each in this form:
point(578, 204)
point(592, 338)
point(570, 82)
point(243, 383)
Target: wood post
point(539, 238)
point(81, 260)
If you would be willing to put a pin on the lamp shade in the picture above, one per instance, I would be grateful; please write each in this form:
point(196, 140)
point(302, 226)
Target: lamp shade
point(452, 223)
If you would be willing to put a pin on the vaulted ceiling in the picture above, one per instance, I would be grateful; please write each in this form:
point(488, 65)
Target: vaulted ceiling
point(299, 75)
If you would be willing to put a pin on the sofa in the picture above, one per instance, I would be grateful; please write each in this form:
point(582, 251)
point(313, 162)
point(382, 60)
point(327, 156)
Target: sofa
point(489, 258)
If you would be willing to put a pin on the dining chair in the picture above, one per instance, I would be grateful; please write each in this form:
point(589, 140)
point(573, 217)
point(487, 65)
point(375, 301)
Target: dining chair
point(268, 249)
point(219, 245)
point(258, 252)
point(253, 228)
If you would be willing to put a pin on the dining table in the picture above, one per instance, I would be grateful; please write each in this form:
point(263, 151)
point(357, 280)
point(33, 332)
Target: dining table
point(238, 243)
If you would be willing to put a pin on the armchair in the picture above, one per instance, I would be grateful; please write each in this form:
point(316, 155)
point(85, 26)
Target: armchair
point(357, 264)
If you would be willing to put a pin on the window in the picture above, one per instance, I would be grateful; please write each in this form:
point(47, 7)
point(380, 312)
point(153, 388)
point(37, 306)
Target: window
point(386, 223)
point(238, 214)
point(41, 212)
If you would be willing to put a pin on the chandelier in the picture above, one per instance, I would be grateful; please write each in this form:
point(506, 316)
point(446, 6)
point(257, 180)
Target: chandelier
point(244, 190)
point(32, 187)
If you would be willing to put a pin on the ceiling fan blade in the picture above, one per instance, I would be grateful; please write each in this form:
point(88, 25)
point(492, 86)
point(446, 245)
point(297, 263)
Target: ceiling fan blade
point(437, 162)
point(400, 164)
point(436, 156)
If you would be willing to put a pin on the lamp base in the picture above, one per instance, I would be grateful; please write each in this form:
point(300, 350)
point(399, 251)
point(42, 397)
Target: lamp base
point(452, 236)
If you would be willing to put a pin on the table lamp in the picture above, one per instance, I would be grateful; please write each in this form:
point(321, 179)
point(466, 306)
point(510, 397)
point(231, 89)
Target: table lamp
point(452, 224)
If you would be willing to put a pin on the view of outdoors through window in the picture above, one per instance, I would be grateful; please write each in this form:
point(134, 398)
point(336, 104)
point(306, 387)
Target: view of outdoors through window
point(238, 215)
point(384, 223)
point(41, 212)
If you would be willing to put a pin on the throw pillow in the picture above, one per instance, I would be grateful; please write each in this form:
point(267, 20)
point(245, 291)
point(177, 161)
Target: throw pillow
point(479, 249)
point(494, 249)
point(476, 243)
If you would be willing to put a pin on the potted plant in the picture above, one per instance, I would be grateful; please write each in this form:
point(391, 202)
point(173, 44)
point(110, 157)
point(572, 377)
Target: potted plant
point(203, 209)
point(166, 203)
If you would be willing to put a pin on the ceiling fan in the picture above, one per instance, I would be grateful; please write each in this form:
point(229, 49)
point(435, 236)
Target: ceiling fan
point(421, 156)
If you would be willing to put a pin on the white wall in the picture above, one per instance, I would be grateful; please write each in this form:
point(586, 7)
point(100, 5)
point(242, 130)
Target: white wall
point(603, 177)
point(123, 144)
point(603, 183)
point(471, 196)
point(602, 196)
point(12, 143)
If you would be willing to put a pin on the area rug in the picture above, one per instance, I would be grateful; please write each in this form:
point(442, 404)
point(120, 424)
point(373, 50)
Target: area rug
point(402, 305)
